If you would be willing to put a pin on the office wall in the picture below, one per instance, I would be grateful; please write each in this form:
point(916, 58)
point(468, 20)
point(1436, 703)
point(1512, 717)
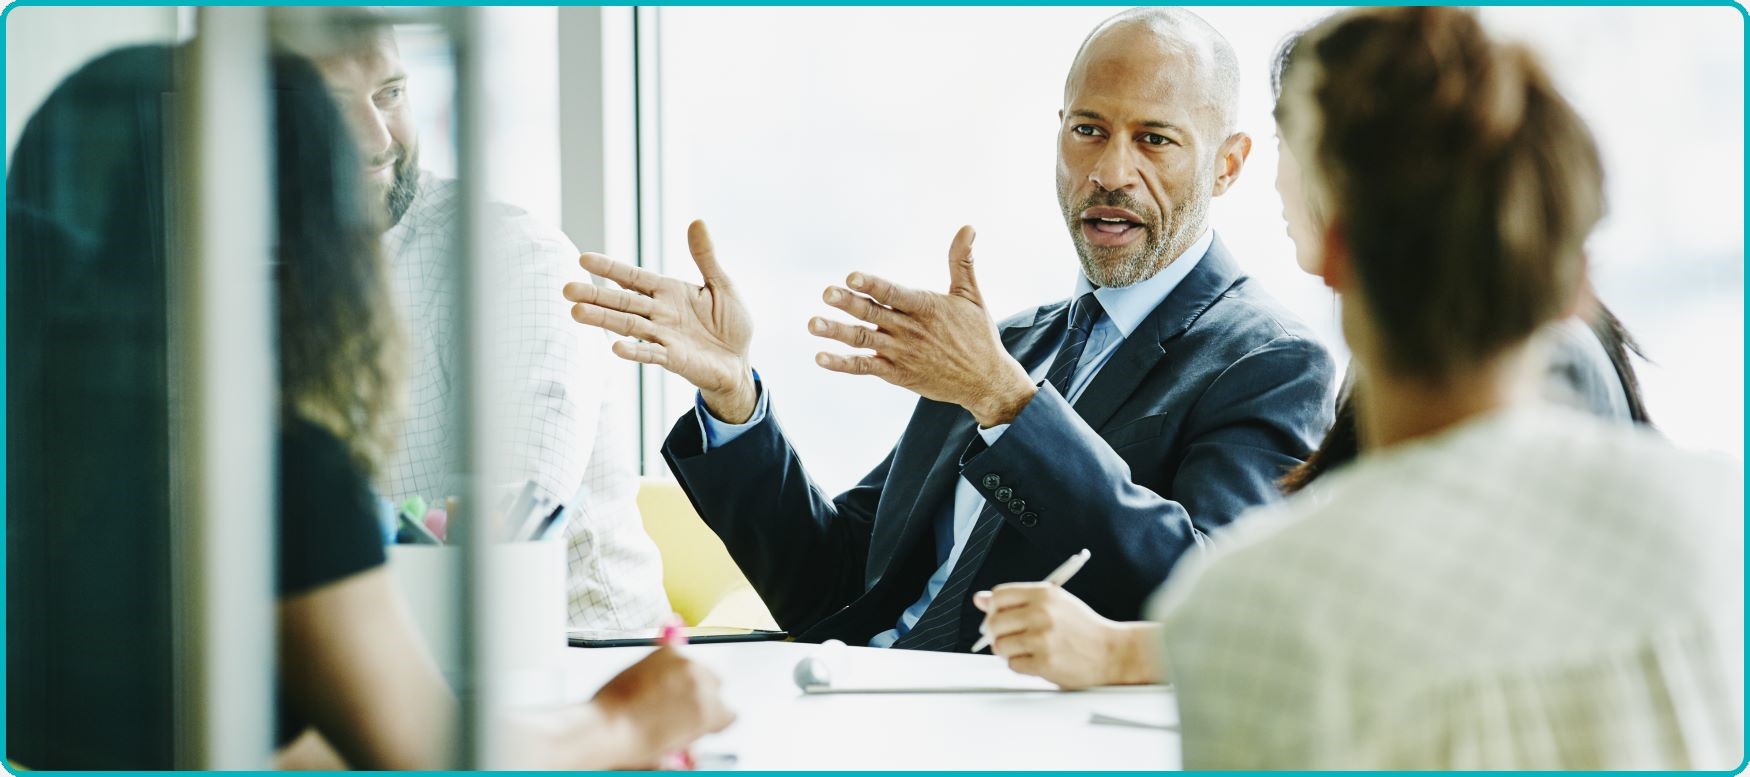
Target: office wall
point(45, 45)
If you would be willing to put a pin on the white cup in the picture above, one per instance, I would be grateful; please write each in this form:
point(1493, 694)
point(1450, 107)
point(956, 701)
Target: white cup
point(523, 612)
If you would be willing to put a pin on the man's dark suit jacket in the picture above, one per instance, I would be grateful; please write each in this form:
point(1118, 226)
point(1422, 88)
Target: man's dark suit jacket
point(1214, 396)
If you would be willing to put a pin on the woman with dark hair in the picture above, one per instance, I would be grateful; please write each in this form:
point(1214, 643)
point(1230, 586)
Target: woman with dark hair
point(90, 206)
point(1495, 582)
point(1589, 354)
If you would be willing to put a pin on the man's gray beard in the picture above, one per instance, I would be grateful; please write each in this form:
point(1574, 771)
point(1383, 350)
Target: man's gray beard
point(1126, 273)
point(401, 193)
point(1145, 265)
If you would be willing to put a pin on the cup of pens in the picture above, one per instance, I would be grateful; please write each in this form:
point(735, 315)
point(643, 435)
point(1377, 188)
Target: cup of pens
point(523, 610)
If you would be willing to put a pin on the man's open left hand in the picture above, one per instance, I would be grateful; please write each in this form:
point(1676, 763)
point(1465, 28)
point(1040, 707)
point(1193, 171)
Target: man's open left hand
point(942, 346)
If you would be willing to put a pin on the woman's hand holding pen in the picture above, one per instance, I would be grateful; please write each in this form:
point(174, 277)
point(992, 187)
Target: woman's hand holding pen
point(660, 705)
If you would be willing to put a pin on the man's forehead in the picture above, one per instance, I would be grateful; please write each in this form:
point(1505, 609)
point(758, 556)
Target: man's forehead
point(371, 62)
point(1144, 69)
point(1169, 81)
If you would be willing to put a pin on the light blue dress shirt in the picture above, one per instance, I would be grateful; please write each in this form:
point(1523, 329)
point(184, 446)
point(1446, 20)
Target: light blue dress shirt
point(1125, 309)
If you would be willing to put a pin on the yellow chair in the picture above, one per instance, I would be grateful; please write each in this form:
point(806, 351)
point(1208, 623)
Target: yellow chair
point(704, 585)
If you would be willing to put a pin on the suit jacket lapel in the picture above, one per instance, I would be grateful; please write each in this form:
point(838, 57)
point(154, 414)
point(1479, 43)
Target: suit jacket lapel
point(1029, 343)
point(1138, 355)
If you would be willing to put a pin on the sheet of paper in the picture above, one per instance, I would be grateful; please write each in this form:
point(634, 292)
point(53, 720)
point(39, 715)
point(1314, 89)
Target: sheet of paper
point(1165, 721)
point(1014, 688)
point(864, 670)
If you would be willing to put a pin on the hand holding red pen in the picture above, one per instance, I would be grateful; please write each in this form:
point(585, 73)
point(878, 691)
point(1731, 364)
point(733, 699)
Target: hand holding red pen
point(673, 637)
point(665, 701)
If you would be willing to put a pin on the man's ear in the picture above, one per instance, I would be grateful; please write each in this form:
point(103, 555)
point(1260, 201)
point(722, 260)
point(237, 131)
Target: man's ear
point(1334, 262)
point(1229, 159)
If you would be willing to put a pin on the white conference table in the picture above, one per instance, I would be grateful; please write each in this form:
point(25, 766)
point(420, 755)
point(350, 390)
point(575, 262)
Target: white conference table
point(779, 727)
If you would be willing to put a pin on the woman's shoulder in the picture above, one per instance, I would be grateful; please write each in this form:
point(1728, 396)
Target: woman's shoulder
point(328, 516)
point(306, 436)
point(311, 452)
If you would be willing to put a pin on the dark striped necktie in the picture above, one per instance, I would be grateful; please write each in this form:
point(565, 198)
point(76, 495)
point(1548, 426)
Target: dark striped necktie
point(939, 628)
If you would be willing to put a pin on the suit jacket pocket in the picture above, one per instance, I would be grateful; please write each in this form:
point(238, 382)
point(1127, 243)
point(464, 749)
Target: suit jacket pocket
point(1129, 433)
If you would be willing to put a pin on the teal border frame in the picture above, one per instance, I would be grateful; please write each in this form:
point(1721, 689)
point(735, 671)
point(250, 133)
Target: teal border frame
point(6, 13)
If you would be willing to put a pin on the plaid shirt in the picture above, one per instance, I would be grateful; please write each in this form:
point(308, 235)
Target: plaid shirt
point(1529, 590)
point(570, 431)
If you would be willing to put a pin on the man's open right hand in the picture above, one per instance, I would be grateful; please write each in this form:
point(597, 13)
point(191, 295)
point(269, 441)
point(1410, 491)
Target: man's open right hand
point(700, 333)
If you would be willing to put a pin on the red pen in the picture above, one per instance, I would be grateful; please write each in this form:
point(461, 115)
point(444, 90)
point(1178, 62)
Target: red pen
point(673, 633)
point(674, 636)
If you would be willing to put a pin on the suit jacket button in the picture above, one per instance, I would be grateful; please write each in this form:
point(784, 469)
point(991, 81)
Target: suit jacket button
point(1005, 493)
point(1029, 519)
point(992, 481)
point(1017, 506)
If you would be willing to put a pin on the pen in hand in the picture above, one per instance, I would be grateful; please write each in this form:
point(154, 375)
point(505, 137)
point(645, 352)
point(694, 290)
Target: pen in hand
point(1058, 577)
point(673, 636)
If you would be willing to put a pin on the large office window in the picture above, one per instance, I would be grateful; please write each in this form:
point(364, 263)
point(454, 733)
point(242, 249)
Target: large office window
point(820, 141)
